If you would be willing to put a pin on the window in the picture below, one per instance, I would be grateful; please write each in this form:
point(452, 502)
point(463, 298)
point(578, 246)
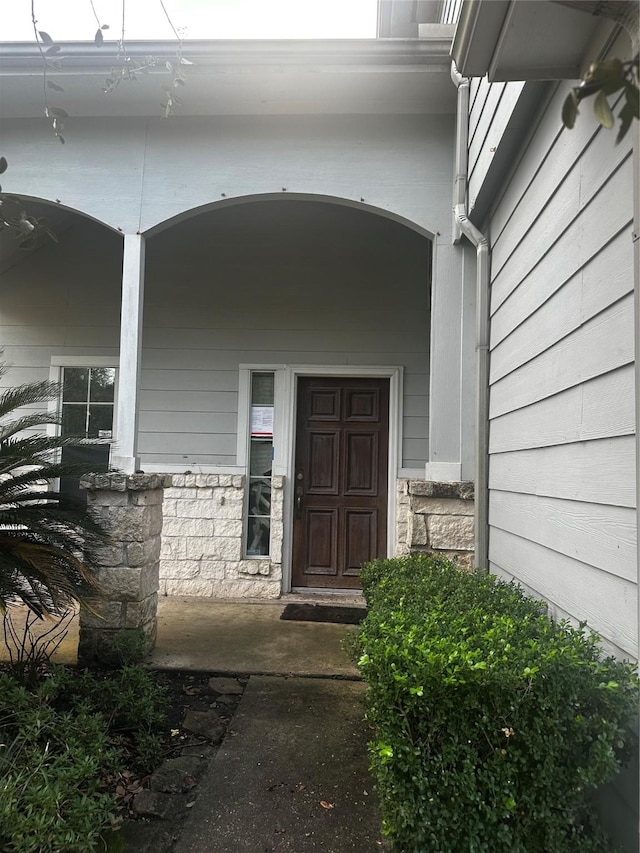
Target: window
point(87, 401)
point(258, 532)
point(88, 395)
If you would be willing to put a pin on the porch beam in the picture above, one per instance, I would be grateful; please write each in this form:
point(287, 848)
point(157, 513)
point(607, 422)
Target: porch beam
point(124, 453)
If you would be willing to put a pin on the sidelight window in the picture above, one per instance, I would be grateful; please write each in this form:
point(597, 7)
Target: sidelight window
point(258, 530)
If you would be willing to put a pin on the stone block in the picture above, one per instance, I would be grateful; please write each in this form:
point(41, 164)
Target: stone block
point(169, 508)
point(433, 489)
point(212, 569)
point(228, 527)
point(212, 480)
point(128, 584)
point(441, 506)
point(148, 497)
point(138, 613)
point(197, 587)
point(237, 481)
point(417, 530)
point(277, 482)
point(141, 553)
point(172, 548)
point(215, 547)
point(131, 524)
point(197, 509)
point(203, 494)
point(188, 527)
point(244, 587)
point(226, 479)
point(178, 480)
point(104, 498)
point(110, 555)
point(190, 481)
point(106, 614)
point(180, 569)
point(230, 508)
point(449, 532)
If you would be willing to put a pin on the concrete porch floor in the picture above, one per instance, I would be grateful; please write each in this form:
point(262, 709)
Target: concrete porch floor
point(233, 637)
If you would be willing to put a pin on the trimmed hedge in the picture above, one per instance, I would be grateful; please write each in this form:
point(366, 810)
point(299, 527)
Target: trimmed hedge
point(492, 723)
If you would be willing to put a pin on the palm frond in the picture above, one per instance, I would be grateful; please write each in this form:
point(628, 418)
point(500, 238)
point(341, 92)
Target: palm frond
point(48, 541)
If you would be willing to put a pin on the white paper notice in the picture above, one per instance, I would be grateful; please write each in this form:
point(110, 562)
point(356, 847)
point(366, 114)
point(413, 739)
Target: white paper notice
point(261, 420)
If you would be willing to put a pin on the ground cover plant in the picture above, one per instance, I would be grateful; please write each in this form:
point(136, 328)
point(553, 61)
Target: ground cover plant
point(71, 744)
point(493, 724)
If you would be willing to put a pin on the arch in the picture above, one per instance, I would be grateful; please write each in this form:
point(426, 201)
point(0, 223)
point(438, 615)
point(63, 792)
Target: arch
point(56, 205)
point(318, 198)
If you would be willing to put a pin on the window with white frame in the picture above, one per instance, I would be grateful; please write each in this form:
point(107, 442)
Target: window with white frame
point(261, 420)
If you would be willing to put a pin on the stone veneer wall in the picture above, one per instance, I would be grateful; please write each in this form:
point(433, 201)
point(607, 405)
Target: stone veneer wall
point(435, 518)
point(129, 507)
point(202, 539)
point(202, 535)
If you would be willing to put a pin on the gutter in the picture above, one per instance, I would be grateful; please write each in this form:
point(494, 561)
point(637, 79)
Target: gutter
point(462, 226)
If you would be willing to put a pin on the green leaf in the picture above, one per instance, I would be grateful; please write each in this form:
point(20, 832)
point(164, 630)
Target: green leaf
point(626, 118)
point(632, 97)
point(54, 86)
point(58, 112)
point(55, 48)
point(570, 109)
point(602, 110)
point(3, 165)
point(45, 37)
point(98, 39)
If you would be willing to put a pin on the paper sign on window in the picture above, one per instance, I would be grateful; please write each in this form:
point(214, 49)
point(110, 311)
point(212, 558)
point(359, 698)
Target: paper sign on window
point(262, 420)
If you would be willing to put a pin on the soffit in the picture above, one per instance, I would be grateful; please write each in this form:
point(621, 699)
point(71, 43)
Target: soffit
point(518, 40)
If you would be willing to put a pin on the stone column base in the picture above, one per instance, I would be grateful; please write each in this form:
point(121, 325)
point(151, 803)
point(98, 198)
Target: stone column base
point(123, 624)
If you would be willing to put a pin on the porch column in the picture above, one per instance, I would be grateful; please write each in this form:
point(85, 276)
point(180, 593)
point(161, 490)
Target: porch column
point(451, 367)
point(124, 454)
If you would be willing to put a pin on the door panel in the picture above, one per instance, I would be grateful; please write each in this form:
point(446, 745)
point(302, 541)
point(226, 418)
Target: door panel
point(340, 522)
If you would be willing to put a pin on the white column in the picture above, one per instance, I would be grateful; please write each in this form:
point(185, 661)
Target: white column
point(124, 451)
point(445, 457)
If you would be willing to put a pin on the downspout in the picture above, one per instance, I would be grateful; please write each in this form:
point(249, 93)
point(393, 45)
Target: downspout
point(462, 226)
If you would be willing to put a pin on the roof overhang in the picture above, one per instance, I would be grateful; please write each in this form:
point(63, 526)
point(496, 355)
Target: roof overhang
point(524, 40)
point(239, 77)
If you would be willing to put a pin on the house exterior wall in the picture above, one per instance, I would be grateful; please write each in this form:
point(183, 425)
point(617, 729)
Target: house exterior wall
point(354, 274)
point(133, 174)
point(562, 455)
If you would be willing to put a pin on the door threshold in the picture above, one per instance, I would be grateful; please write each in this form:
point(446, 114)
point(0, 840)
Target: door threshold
point(315, 595)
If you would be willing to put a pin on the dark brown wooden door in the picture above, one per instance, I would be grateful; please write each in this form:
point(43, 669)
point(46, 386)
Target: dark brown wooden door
point(340, 485)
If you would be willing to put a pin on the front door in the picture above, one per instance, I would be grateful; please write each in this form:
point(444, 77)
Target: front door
point(341, 474)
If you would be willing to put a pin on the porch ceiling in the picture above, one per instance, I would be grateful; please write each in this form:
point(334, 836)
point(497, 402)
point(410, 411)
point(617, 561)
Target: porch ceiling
point(240, 78)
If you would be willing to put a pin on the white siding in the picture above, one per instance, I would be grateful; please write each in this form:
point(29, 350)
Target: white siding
point(280, 282)
point(136, 173)
point(562, 452)
point(276, 283)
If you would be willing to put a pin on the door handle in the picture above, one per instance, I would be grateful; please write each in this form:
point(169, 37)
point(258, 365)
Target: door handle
point(299, 503)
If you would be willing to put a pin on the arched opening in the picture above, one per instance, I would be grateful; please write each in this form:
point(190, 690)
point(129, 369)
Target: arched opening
point(273, 290)
point(60, 319)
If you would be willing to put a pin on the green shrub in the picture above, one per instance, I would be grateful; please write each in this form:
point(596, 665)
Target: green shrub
point(492, 723)
point(60, 743)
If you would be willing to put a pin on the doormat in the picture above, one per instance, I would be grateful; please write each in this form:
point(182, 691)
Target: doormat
point(324, 613)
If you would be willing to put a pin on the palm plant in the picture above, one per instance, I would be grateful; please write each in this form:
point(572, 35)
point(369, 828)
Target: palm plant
point(48, 540)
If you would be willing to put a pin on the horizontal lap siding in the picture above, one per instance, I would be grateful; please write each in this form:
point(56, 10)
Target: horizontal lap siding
point(276, 285)
point(63, 299)
point(562, 420)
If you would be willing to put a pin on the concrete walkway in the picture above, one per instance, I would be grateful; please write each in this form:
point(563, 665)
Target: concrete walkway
point(291, 775)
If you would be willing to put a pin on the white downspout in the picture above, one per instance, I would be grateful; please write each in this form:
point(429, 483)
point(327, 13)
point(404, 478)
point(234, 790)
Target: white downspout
point(463, 226)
